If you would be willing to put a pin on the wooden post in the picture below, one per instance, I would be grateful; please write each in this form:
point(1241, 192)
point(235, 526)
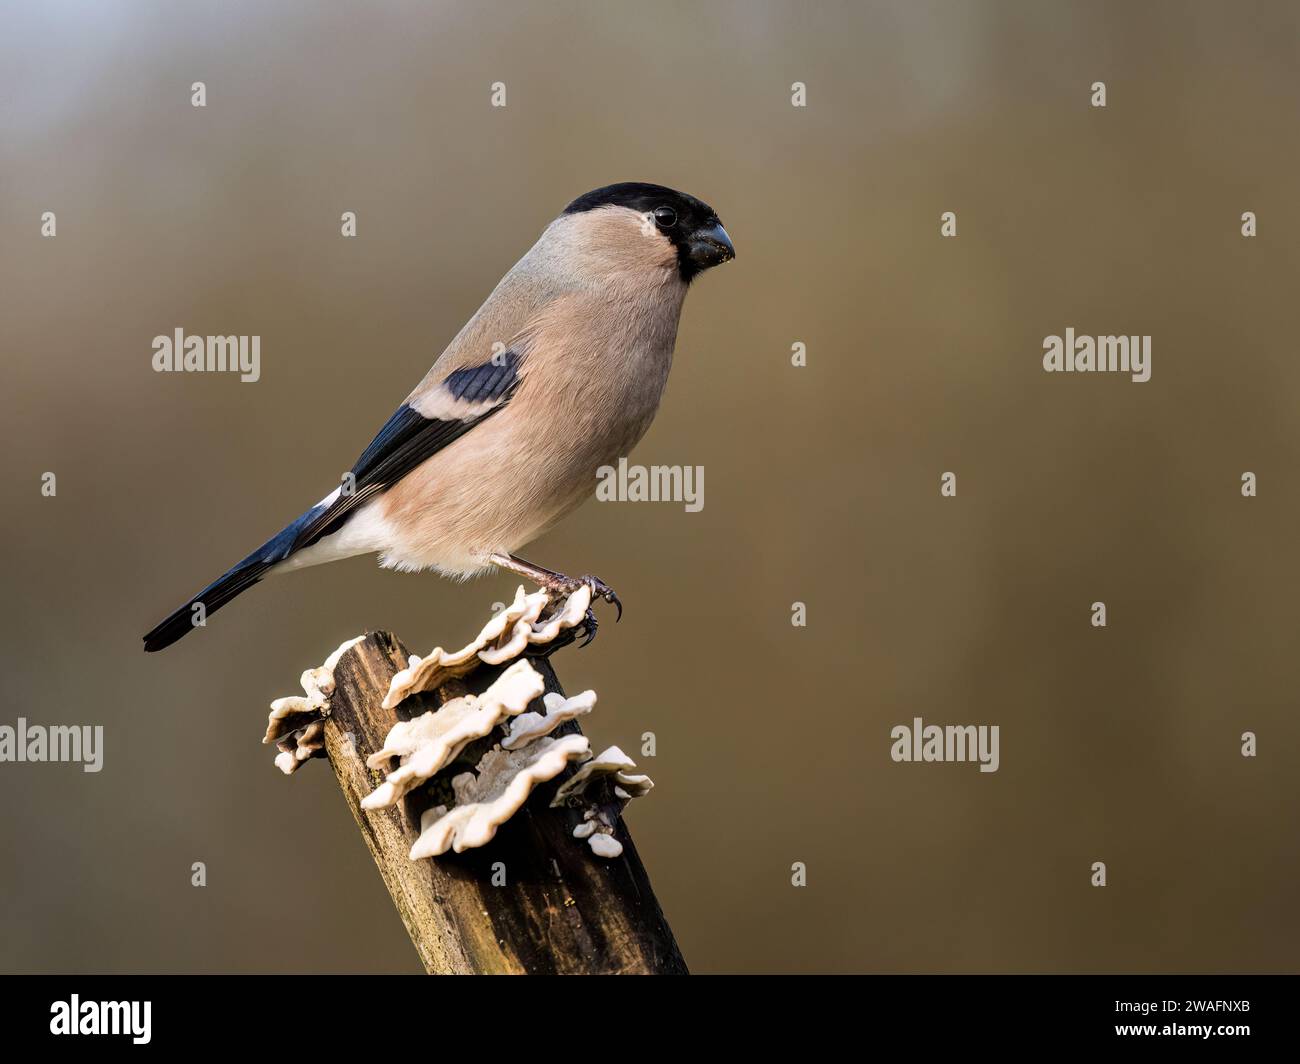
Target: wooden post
point(561, 910)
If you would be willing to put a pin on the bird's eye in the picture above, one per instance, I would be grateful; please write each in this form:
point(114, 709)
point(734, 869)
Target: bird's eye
point(665, 217)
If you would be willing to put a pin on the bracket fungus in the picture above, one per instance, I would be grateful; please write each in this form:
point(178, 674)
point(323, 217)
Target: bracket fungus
point(507, 635)
point(610, 766)
point(488, 797)
point(503, 778)
point(428, 743)
point(506, 774)
point(530, 726)
point(512, 750)
point(296, 724)
point(605, 785)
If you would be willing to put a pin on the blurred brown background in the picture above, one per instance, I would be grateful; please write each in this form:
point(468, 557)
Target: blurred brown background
point(1120, 745)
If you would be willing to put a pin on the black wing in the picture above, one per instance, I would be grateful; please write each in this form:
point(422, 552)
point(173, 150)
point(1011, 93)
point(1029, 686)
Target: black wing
point(408, 439)
point(403, 443)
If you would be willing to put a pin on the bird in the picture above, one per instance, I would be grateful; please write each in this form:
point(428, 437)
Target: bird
point(558, 373)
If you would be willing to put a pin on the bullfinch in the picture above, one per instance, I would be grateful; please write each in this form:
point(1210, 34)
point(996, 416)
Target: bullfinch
point(559, 372)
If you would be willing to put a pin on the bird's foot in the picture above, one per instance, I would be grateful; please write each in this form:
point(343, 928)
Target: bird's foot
point(559, 587)
point(559, 584)
point(562, 586)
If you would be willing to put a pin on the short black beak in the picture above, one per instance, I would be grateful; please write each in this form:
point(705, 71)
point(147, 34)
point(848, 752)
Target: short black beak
point(710, 247)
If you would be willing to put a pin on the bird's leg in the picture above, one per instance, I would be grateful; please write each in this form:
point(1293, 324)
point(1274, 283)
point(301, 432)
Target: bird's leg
point(559, 584)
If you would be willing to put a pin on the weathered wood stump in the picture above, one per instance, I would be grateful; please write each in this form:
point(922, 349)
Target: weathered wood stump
point(560, 909)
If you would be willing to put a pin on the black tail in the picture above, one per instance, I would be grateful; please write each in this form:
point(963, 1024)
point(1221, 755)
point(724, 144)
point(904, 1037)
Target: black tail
point(238, 580)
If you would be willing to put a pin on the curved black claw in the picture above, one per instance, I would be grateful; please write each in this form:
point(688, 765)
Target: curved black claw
point(559, 584)
point(589, 625)
point(600, 589)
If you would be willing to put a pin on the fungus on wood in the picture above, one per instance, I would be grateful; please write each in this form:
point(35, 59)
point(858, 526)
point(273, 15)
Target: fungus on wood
point(497, 833)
